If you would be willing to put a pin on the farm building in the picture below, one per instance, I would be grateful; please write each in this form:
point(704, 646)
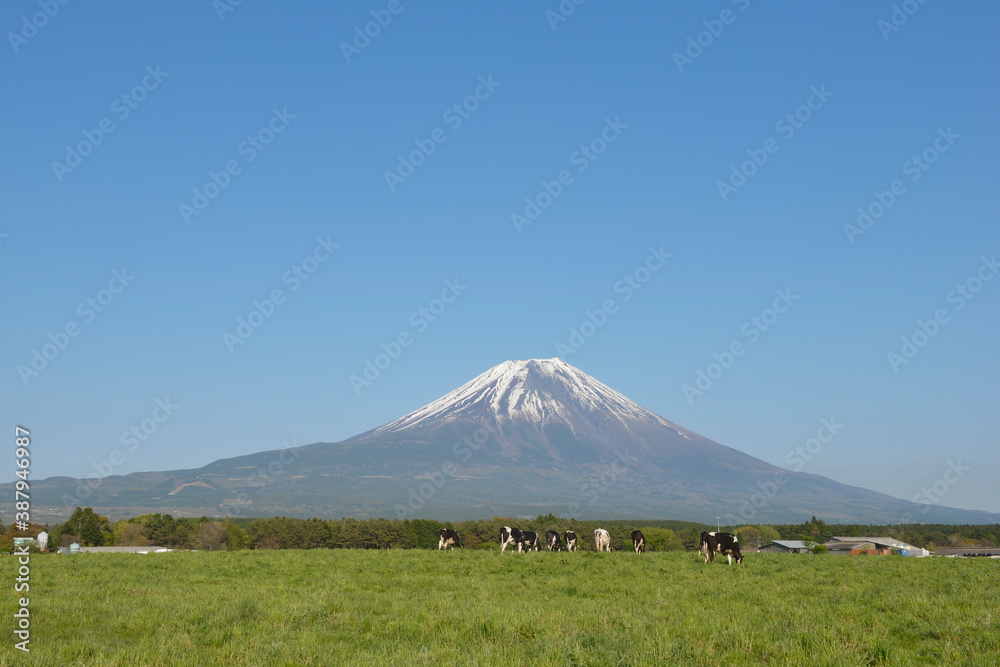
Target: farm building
point(876, 546)
point(788, 547)
point(855, 549)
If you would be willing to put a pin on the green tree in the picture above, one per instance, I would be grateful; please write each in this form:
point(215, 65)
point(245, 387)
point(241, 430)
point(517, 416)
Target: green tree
point(750, 536)
point(236, 537)
point(129, 534)
point(183, 534)
point(768, 534)
point(315, 535)
point(662, 539)
point(423, 533)
point(158, 528)
point(265, 534)
point(689, 538)
point(816, 527)
point(93, 529)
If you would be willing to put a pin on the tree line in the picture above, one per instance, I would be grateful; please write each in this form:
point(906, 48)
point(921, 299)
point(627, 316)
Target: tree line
point(87, 528)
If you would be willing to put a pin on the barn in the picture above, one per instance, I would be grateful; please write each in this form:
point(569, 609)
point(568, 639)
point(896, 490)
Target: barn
point(787, 547)
point(876, 546)
point(855, 548)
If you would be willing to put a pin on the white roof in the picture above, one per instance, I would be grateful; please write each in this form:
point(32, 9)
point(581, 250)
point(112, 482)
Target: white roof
point(877, 540)
point(792, 544)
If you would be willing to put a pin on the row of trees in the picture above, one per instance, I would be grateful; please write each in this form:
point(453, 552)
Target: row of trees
point(287, 533)
point(88, 528)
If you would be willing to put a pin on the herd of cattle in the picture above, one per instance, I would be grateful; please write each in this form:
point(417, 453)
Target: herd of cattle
point(710, 544)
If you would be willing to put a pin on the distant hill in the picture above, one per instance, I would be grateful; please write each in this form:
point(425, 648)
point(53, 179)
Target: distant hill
point(524, 438)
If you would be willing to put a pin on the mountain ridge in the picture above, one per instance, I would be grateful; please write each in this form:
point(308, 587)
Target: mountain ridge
point(525, 437)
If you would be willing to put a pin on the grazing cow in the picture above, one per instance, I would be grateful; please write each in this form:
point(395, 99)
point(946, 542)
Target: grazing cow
point(723, 543)
point(447, 538)
point(510, 536)
point(570, 540)
point(552, 541)
point(638, 541)
point(603, 540)
point(529, 540)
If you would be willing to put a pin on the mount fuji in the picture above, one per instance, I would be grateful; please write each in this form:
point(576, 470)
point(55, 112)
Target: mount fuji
point(524, 438)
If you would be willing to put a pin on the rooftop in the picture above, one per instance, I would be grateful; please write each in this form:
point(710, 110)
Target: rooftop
point(793, 544)
point(887, 541)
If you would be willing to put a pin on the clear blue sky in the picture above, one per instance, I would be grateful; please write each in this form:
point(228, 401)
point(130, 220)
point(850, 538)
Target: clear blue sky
point(196, 86)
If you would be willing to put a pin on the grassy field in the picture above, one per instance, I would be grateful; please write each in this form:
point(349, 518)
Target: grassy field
point(406, 607)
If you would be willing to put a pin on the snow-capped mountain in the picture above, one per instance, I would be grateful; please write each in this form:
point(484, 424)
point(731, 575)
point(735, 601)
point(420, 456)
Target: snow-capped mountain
point(524, 438)
point(535, 391)
point(545, 411)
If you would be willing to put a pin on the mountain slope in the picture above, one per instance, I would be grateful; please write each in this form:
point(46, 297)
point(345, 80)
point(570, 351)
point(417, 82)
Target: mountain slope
point(524, 438)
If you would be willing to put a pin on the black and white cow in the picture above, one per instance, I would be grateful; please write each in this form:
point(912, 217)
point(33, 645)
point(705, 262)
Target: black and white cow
point(510, 536)
point(529, 540)
point(603, 539)
point(447, 538)
point(552, 541)
point(638, 541)
point(723, 543)
point(570, 540)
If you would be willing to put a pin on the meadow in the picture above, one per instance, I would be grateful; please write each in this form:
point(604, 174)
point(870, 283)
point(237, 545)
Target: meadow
point(412, 607)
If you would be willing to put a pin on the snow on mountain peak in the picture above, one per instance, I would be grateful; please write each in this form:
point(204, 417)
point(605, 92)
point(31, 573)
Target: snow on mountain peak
point(532, 391)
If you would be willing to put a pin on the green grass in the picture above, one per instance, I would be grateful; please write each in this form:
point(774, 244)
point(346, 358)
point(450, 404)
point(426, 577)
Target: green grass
point(401, 607)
